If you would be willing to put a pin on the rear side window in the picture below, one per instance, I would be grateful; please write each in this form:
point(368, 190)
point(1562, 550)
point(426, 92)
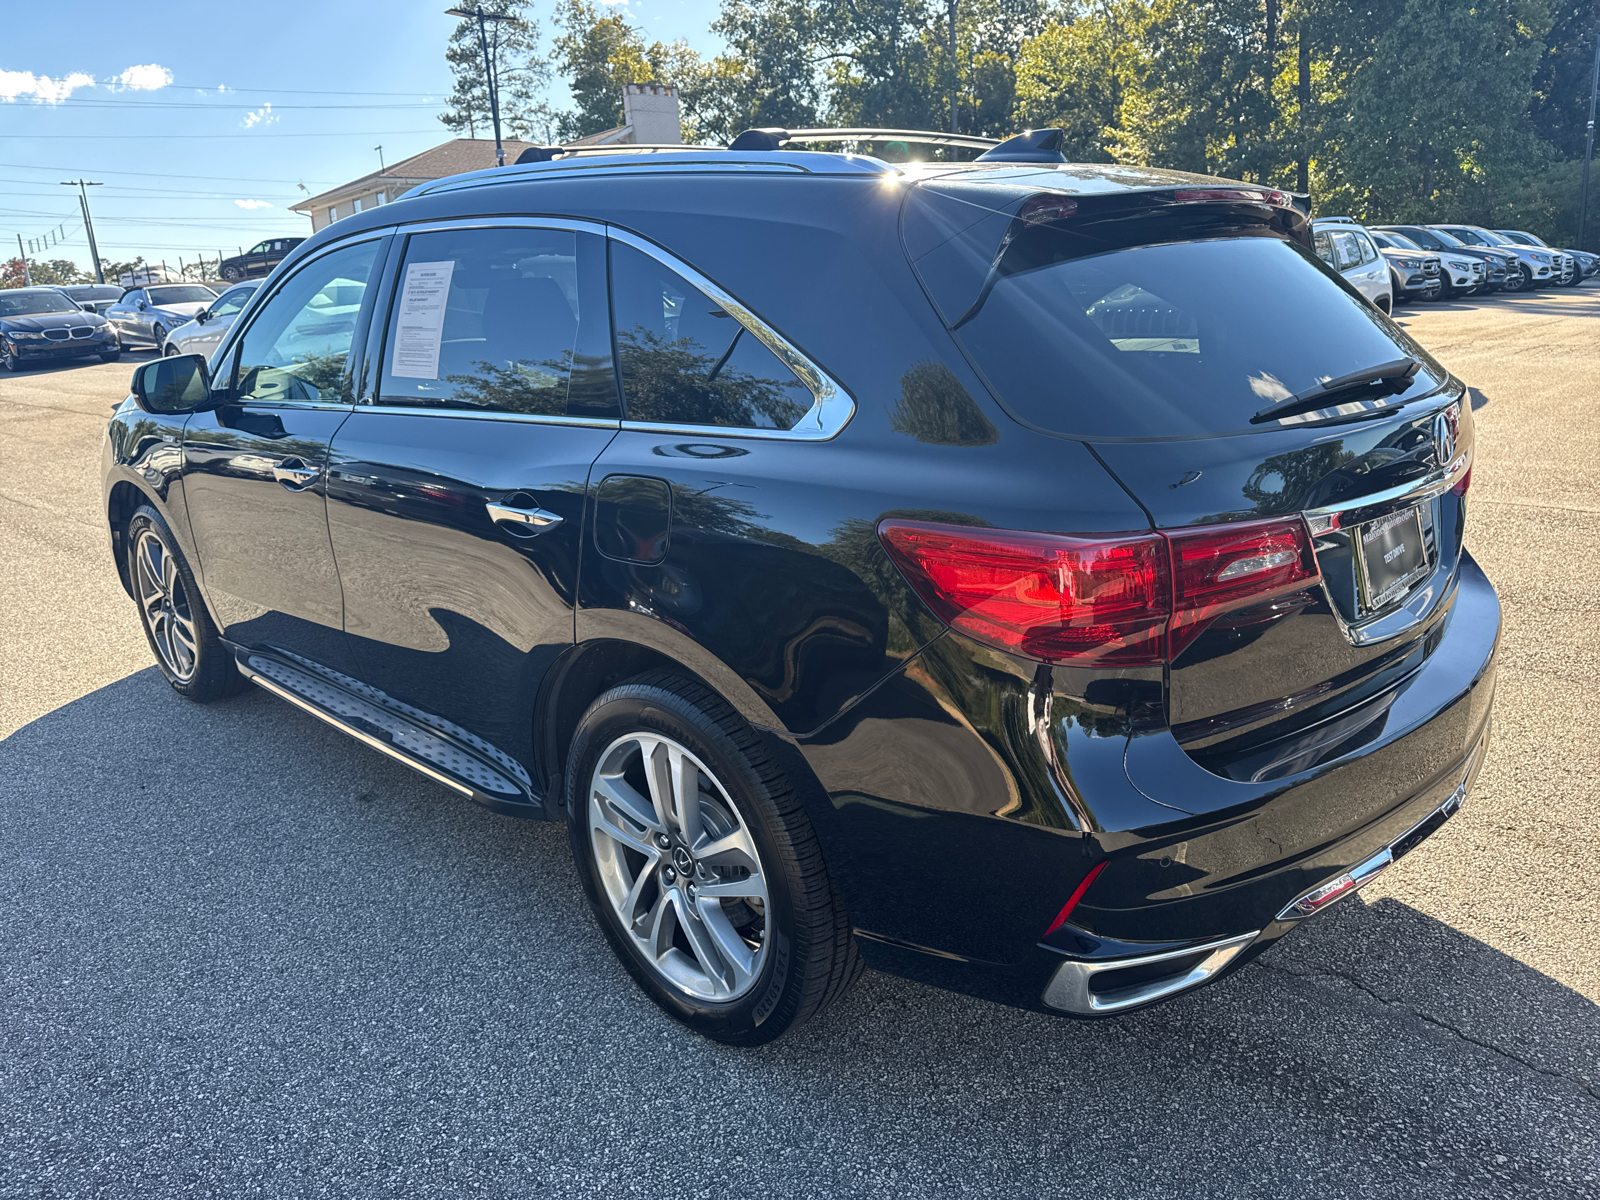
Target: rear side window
point(489, 319)
point(1112, 318)
point(686, 361)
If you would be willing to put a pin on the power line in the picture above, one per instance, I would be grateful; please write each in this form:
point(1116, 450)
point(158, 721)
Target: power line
point(165, 174)
point(164, 137)
point(94, 102)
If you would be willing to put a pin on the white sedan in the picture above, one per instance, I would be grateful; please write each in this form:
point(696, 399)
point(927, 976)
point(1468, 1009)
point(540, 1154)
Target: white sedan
point(203, 334)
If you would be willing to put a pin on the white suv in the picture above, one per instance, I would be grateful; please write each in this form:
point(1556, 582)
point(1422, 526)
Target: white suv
point(1348, 249)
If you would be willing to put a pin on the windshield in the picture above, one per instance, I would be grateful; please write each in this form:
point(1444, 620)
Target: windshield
point(1527, 239)
point(1436, 239)
point(22, 304)
point(1171, 339)
point(191, 294)
point(1467, 237)
point(1397, 241)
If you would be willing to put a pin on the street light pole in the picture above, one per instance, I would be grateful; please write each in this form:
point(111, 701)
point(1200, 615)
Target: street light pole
point(483, 19)
point(83, 186)
point(1588, 149)
point(27, 279)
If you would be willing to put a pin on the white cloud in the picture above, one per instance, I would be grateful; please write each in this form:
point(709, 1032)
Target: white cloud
point(253, 203)
point(146, 77)
point(261, 116)
point(42, 88)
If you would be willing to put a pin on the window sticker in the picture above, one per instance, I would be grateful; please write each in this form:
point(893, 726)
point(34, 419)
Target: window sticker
point(421, 324)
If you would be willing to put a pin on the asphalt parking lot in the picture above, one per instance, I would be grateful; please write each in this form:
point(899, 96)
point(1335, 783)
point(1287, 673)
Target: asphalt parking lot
point(246, 956)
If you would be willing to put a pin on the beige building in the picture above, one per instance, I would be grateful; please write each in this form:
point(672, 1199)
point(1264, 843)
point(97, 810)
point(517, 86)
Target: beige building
point(650, 117)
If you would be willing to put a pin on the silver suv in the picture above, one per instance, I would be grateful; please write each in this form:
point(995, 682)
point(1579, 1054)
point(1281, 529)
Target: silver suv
point(1539, 266)
point(1349, 249)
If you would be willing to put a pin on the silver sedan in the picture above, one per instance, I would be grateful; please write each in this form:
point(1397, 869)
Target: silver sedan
point(203, 334)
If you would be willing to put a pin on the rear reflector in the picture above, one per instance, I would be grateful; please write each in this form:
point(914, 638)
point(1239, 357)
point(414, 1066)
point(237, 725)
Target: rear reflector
point(1222, 194)
point(1125, 600)
point(1072, 902)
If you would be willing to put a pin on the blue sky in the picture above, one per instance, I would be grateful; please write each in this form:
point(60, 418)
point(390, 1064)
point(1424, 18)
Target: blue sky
point(169, 108)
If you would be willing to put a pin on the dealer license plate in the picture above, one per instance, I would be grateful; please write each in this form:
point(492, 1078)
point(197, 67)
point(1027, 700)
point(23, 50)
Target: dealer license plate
point(1390, 557)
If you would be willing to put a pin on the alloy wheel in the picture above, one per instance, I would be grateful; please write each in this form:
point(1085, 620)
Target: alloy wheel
point(164, 604)
point(679, 867)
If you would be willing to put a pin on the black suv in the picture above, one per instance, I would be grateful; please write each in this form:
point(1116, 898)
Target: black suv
point(1044, 581)
point(258, 260)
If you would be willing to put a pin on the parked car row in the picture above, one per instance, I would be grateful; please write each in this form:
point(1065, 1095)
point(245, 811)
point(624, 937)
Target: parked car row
point(1399, 264)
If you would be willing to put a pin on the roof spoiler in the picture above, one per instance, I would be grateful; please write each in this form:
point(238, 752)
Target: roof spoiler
point(772, 137)
point(1034, 146)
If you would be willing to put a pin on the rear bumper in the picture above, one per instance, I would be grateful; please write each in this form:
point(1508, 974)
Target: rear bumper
point(970, 793)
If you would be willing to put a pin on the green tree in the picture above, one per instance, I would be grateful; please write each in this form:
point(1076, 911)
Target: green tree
point(598, 51)
point(521, 74)
point(1070, 78)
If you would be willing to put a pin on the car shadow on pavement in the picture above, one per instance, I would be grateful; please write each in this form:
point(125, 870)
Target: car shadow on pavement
point(237, 938)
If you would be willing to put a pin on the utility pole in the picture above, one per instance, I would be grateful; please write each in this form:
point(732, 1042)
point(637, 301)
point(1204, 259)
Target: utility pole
point(1588, 148)
point(83, 186)
point(484, 19)
point(27, 279)
point(955, 72)
point(379, 149)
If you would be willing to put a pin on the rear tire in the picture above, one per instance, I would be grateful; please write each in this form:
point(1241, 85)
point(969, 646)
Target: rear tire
point(232, 274)
point(176, 624)
point(741, 943)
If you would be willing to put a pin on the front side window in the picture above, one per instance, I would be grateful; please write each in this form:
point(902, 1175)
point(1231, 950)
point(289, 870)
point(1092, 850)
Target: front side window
point(260, 247)
point(685, 361)
point(1347, 248)
point(489, 319)
point(298, 346)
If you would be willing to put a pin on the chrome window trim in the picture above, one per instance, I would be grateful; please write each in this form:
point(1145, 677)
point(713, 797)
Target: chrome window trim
point(401, 410)
point(831, 406)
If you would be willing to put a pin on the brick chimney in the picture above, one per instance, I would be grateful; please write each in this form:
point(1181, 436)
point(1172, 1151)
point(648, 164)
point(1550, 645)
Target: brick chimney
point(652, 110)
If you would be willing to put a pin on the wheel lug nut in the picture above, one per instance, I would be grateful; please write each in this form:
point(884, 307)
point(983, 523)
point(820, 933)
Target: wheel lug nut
point(669, 875)
point(692, 890)
point(663, 840)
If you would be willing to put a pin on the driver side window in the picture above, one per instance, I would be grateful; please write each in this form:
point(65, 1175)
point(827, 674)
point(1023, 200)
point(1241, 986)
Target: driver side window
point(298, 346)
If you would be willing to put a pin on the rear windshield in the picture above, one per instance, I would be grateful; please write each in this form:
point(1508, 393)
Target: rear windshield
point(1182, 324)
point(94, 293)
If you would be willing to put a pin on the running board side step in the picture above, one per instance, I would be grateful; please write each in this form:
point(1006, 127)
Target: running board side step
point(464, 764)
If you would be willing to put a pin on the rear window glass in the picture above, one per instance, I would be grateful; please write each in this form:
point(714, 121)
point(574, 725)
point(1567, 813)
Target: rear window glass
point(1139, 328)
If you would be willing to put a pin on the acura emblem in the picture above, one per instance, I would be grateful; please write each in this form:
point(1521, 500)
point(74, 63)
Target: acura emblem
point(1444, 440)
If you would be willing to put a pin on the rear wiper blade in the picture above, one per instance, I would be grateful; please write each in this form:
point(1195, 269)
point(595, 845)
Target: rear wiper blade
point(1386, 379)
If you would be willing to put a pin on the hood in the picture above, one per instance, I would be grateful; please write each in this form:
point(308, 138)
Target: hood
point(1394, 252)
point(39, 322)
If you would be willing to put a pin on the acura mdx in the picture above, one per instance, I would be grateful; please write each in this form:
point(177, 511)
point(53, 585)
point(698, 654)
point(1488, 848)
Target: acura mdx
point(1041, 580)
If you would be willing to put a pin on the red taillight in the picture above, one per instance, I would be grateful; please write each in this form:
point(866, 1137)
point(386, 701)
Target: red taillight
point(1046, 207)
point(1223, 567)
point(1072, 901)
point(1462, 484)
point(1126, 600)
point(1091, 601)
point(1254, 195)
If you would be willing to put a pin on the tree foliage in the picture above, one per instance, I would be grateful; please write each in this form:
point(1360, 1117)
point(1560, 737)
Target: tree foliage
point(521, 73)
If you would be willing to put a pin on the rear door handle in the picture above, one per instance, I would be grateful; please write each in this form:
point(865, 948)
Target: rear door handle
point(527, 520)
point(294, 474)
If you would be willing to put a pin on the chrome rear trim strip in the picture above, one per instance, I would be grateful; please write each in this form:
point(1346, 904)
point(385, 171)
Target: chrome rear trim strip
point(1069, 990)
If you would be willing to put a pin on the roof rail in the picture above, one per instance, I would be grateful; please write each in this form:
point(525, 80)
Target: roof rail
point(775, 138)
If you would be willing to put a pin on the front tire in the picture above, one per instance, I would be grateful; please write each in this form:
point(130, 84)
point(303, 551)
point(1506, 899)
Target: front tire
point(701, 865)
point(176, 624)
point(8, 360)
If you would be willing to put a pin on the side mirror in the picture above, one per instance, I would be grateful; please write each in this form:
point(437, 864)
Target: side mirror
point(201, 317)
point(143, 306)
point(86, 306)
point(180, 384)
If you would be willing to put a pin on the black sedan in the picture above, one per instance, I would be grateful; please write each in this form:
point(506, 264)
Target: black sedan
point(148, 314)
point(38, 324)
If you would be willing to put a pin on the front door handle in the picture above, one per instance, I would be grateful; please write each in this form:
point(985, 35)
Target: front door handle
point(294, 474)
point(524, 520)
